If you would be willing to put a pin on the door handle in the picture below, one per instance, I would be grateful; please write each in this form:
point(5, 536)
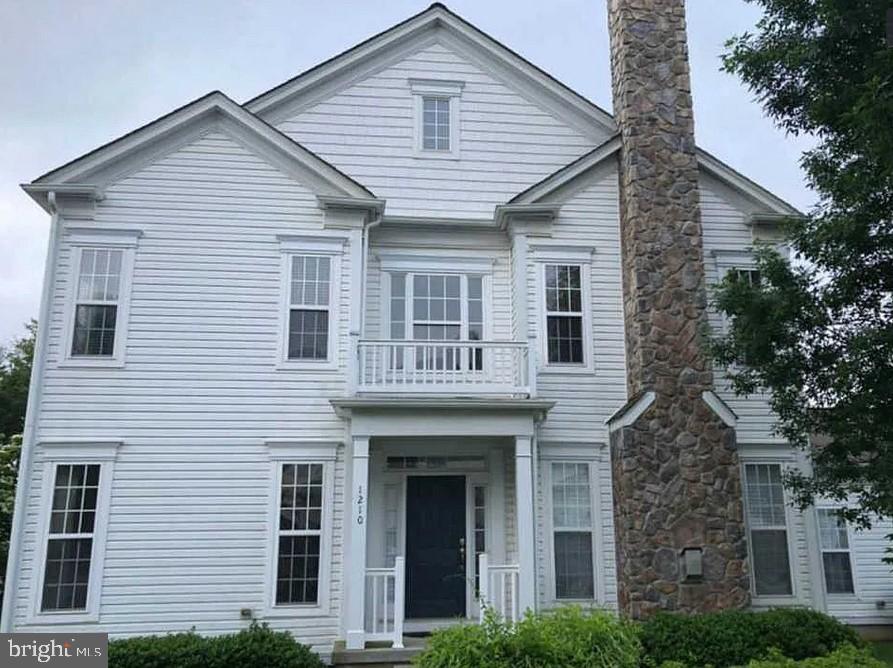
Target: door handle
point(462, 552)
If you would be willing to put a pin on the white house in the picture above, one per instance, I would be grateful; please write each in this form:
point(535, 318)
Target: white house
point(344, 359)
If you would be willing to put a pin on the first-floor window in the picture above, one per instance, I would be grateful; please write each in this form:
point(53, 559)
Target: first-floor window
point(572, 531)
point(69, 548)
point(835, 545)
point(766, 518)
point(300, 534)
point(480, 530)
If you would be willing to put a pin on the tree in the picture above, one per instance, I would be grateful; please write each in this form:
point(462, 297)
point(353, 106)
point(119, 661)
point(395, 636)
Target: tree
point(817, 334)
point(15, 376)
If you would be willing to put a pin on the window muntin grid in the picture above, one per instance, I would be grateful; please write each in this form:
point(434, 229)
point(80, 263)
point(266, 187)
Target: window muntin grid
point(767, 522)
point(572, 530)
point(564, 313)
point(436, 123)
point(96, 302)
point(438, 307)
point(300, 534)
point(834, 543)
point(70, 541)
point(309, 307)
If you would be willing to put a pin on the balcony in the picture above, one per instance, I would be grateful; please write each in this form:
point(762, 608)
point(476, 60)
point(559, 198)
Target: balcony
point(457, 368)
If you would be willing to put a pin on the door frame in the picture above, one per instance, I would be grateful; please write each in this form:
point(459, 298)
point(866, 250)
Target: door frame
point(494, 485)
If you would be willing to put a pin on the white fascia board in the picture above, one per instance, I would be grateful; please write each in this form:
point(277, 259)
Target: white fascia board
point(630, 413)
point(744, 185)
point(567, 173)
point(214, 107)
point(436, 16)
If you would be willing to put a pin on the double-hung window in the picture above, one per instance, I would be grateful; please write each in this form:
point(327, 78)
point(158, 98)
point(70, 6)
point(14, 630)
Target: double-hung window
point(572, 530)
point(101, 262)
point(299, 545)
point(834, 542)
point(75, 499)
point(69, 550)
point(564, 305)
point(767, 524)
point(311, 297)
point(96, 301)
point(300, 528)
point(439, 307)
point(308, 308)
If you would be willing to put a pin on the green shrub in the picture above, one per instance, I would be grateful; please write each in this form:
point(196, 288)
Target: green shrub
point(567, 637)
point(846, 656)
point(733, 638)
point(256, 647)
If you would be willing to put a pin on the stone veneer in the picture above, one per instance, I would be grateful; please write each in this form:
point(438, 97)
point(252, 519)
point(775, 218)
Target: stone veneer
point(675, 468)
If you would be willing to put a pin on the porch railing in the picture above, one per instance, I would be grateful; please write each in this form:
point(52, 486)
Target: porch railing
point(466, 367)
point(384, 603)
point(499, 589)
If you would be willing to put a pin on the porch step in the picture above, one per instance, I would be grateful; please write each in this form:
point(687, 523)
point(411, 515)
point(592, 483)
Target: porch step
point(378, 657)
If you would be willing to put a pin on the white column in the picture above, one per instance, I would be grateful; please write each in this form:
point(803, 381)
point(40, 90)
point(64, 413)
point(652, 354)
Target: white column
point(520, 251)
point(355, 558)
point(525, 519)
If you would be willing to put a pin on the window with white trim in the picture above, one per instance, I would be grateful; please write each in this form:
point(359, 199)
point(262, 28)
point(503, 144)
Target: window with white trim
point(438, 307)
point(309, 316)
point(563, 287)
point(436, 108)
point(572, 531)
point(834, 543)
point(96, 302)
point(69, 545)
point(480, 530)
point(300, 529)
point(767, 525)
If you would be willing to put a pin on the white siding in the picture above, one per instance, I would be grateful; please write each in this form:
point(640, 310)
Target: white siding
point(725, 229)
point(507, 142)
point(589, 217)
point(873, 579)
point(199, 394)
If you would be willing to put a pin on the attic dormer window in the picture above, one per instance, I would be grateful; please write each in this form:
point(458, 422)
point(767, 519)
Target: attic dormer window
point(436, 107)
point(435, 123)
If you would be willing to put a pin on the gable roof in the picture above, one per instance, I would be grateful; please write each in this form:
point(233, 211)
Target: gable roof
point(95, 168)
point(707, 162)
point(437, 16)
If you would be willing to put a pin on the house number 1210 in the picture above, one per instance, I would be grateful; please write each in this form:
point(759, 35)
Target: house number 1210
point(360, 501)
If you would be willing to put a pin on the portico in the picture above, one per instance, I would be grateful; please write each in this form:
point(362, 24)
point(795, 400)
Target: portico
point(434, 485)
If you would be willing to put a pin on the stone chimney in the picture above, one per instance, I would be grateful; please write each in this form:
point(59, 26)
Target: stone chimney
point(677, 488)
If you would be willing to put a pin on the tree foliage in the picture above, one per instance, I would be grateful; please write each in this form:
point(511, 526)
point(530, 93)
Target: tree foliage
point(15, 375)
point(817, 335)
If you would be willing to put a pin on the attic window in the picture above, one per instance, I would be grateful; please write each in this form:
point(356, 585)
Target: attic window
point(436, 108)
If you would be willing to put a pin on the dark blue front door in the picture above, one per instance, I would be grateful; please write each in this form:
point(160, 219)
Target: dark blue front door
point(435, 553)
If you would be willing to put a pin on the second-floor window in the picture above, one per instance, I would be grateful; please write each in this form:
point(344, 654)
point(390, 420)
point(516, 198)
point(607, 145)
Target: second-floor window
point(309, 307)
point(96, 306)
point(439, 307)
point(564, 313)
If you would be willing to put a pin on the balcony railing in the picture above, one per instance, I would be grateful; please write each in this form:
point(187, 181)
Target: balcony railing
point(446, 367)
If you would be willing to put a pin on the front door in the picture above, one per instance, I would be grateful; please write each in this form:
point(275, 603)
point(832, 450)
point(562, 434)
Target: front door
point(435, 546)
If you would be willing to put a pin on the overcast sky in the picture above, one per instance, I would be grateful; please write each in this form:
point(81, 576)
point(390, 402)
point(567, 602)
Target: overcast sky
point(75, 74)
